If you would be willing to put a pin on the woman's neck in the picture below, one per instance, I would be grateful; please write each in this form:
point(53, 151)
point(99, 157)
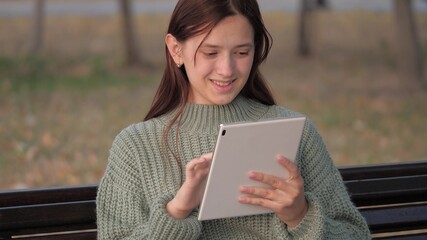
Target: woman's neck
point(207, 118)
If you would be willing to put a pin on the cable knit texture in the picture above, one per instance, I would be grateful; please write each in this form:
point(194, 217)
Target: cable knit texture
point(138, 182)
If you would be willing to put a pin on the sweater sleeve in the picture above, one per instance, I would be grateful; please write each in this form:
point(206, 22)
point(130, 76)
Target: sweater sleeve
point(122, 209)
point(331, 214)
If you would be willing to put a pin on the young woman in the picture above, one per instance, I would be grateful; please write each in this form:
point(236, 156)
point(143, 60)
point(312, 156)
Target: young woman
point(157, 169)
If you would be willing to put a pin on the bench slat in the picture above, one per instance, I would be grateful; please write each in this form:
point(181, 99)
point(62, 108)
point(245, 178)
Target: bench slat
point(47, 195)
point(396, 218)
point(420, 236)
point(55, 214)
point(68, 231)
point(377, 191)
point(64, 236)
point(384, 170)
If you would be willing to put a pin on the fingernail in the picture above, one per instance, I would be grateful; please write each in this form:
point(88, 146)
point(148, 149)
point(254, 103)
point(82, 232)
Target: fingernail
point(282, 159)
point(242, 199)
point(252, 175)
point(244, 189)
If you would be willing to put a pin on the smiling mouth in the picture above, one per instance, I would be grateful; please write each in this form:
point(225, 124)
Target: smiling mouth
point(222, 84)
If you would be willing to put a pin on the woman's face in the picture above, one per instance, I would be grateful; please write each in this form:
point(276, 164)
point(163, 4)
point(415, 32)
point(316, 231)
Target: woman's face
point(221, 67)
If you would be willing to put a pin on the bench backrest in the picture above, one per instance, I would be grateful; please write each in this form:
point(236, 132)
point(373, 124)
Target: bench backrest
point(391, 197)
point(60, 213)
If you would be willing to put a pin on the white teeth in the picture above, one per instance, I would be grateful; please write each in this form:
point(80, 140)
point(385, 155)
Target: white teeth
point(222, 84)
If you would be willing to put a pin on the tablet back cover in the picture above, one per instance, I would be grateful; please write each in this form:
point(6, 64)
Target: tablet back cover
point(243, 147)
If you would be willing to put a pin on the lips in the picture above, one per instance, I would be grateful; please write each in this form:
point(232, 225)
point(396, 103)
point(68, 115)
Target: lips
point(221, 83)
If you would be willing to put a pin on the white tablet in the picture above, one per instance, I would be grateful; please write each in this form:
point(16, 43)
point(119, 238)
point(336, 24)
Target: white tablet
point(240, 148)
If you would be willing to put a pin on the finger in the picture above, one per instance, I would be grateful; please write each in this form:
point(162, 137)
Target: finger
point(201, 161)
point(275, 182)
point(258, 201)
point(197, 163)
point(204, 161)
point(277, 207)
point(207, 156)
point(260, 192)
point(192, 163)
point(291, 167)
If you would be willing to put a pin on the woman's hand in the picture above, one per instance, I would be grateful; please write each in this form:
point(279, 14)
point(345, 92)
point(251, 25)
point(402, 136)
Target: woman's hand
point(286, 198)
point(190, 195)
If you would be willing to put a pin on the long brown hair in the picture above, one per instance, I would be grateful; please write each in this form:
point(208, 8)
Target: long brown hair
point(194, 17)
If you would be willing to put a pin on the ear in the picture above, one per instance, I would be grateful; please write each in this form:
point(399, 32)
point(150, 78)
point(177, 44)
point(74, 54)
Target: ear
point(175, 48)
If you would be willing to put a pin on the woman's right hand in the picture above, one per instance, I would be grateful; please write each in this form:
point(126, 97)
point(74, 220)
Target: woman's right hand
point(190, 195)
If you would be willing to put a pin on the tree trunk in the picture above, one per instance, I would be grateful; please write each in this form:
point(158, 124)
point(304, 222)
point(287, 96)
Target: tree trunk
point(408, 46)
point(306, 28)
point(131, 48)
point(38, 26)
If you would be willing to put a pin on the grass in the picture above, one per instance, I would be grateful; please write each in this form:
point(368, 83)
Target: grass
point(35, 74)
point(60, 110)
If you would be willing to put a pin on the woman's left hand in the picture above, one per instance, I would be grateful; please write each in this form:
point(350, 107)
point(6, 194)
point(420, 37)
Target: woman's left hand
point(286, 197)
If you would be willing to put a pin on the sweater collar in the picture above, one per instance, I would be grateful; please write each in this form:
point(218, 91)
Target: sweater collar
point(207, 118)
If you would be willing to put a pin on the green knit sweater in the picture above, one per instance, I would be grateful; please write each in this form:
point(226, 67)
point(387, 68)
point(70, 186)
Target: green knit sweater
point(138, 182)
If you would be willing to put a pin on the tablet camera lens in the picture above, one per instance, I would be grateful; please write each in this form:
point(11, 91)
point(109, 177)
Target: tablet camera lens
point(223, 132)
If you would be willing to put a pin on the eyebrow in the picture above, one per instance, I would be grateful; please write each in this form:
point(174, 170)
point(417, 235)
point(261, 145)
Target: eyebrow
point(207, 45)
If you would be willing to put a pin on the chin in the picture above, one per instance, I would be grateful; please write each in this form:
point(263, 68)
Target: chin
point(224, 100)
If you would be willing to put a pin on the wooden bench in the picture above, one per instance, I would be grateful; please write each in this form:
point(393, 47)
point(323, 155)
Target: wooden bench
point(392, 198)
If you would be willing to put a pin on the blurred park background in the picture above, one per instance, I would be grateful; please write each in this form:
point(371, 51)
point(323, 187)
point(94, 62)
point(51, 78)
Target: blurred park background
point(71, 77)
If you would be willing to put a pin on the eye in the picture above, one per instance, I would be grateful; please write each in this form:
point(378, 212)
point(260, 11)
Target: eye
point(242, 53)
point(210, 54)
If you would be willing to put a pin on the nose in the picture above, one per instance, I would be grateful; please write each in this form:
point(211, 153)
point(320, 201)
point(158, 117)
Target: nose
point(225, 66)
